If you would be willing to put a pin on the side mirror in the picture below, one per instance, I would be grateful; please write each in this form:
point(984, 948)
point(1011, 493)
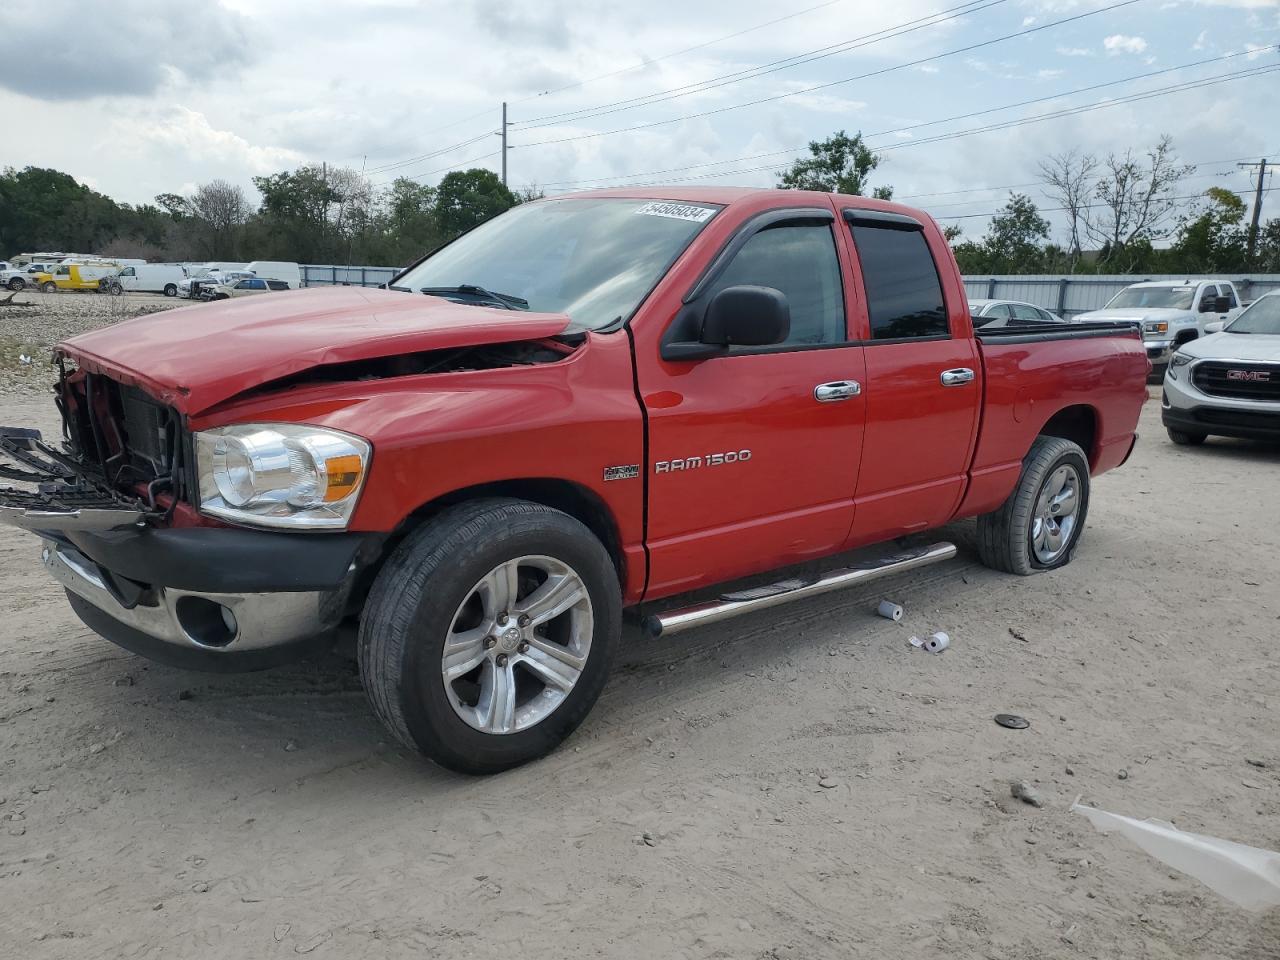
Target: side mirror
point(746, 316)
point(1214, 326)
point(1221, 304)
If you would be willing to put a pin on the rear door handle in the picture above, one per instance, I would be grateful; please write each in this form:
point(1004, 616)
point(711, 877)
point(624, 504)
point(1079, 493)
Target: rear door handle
point(836, 390)
point(956, 377)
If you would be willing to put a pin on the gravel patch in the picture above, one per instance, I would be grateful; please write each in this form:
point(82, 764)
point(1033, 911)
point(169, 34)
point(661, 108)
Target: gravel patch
point(33, 331)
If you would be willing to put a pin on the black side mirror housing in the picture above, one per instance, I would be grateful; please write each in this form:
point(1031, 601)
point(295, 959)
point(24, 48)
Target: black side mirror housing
point(1221, 304)
point(746, 316)
point(740, 316)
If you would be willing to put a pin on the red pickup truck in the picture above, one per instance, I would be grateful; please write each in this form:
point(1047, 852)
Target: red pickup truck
point(588, 404)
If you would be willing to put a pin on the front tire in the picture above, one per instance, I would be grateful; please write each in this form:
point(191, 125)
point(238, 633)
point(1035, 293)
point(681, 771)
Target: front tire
point(489, 633)
point(1184, 439)
point(170, 289)
point(16, 283)
point(1038, 527)
point(49, 287)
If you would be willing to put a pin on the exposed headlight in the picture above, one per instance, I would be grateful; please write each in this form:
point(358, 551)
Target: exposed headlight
point(1178, 360)
point(1155, 326)
point(281, 474)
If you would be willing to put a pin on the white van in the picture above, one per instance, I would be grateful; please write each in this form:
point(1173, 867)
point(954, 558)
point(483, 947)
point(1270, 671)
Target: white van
point(151, 278)
point(290, 273)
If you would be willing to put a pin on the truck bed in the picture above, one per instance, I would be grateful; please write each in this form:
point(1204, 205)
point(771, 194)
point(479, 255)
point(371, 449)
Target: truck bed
point(1031, 332)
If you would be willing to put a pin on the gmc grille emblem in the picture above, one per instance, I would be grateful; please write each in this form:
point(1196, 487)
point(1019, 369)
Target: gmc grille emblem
point(1258, 375)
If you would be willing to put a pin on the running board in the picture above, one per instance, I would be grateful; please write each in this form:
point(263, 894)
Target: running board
point(772, 595)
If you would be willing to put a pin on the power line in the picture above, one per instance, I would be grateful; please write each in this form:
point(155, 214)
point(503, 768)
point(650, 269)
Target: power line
point(383, 168)
point(1093, 206)
point(834, 83)
point(1008, 106)
point(677, 53)
point(430, 173)
point(786, 63)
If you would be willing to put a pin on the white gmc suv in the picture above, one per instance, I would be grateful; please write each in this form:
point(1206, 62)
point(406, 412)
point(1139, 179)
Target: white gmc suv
point(1228, 384)
point(1172, 312)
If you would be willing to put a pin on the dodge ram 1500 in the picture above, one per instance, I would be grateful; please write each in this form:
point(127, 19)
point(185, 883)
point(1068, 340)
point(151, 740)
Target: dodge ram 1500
point(591, 403)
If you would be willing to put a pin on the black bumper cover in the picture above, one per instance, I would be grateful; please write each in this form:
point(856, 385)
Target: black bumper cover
point(1223, 422)
point(220, 560)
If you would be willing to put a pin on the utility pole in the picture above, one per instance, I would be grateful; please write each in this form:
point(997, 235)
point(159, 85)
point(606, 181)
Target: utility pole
point(1257, 206)
point(504, 143)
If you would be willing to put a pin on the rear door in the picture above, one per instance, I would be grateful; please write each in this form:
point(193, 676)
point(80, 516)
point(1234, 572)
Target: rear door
point(754, 453)
point(923, 386)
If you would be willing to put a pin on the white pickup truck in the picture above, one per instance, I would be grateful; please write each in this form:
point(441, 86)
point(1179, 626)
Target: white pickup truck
point(1172, 312)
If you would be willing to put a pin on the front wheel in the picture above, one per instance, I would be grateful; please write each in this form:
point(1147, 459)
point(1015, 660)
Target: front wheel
point(1038, 527)
point(49, 287)
point(17, 283)
point(170, 289)
point(488, 634)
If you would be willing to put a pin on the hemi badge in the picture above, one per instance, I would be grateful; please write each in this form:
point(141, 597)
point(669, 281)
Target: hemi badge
point(629, 472)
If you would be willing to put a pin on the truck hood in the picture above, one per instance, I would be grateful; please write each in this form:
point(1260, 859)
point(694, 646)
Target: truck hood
point(1235, 346)
point(196, 357)
point(1136, 313)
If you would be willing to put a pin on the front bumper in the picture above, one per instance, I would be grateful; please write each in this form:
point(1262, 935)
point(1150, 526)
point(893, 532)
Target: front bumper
point(1159, 351)
point(1185, 407)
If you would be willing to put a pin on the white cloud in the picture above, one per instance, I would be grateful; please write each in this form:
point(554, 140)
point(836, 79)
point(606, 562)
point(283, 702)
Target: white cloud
point(1049, 74)
point(1028, 21)
point(190, 136)
point(1074, 52)
point(1256, 50)
point(927, 68)
point(1201, 40)
point(1119, 43)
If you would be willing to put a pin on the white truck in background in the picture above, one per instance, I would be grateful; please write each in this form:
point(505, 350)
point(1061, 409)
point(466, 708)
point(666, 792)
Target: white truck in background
point(1172, 312)
point(149, 278)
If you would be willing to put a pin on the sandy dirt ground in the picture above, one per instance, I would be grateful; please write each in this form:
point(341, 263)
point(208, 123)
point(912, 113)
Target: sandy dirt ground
point(147, 812)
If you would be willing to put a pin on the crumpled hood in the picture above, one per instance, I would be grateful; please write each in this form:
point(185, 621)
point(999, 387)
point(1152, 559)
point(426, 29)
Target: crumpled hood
point(1235, 346)
point(196, 357)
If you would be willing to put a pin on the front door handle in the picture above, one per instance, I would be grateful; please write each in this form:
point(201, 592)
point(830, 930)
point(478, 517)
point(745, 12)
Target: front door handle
point(836, 390)
point(956, 377)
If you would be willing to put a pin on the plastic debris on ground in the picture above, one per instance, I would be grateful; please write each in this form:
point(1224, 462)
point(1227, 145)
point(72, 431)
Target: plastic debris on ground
point(890, 610)
point(1247, 876)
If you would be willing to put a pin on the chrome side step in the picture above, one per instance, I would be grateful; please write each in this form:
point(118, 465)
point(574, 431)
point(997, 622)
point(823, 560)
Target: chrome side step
point(772, 595)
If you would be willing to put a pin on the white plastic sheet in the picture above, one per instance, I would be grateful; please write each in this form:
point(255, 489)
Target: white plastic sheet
point(1247, 876)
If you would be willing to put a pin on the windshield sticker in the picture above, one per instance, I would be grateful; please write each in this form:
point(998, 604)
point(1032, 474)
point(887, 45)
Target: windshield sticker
point(677, 211)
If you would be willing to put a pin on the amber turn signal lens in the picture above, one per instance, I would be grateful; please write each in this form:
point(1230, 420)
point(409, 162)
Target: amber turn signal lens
point(342, 477)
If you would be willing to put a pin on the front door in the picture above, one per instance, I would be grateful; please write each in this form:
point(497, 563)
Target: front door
point(753, 455)
point(923, 382)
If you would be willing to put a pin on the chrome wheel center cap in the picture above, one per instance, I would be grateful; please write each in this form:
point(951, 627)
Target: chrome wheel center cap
point(509, 639)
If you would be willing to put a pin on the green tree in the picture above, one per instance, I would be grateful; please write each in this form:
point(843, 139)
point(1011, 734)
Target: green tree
point(1014, 241)
point(839, 164)
point(1214, 240)
point(466, 198)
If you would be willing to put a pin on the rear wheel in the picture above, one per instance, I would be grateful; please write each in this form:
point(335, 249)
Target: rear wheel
point(16, 283)
point(1184, 438)
point(49, 287)
point(1038, 527)
point(488, 634)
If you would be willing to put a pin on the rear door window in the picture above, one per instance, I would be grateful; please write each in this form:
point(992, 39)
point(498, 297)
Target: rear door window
point(1024, 312)
point(904, 294)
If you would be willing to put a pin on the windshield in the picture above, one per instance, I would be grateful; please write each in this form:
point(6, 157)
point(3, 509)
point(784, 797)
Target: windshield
point(593, 259)
point(1173, 298)
point(1262, 316)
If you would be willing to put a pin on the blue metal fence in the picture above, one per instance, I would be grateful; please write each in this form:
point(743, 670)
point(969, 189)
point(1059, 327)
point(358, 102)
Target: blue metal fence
point(334, 275)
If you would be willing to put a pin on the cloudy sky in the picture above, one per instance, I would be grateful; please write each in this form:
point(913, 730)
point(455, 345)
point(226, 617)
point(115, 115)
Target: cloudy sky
point(161, 96)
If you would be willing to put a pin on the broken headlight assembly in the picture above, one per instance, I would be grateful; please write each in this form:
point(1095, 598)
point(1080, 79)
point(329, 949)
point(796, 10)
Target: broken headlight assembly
point(281, 474)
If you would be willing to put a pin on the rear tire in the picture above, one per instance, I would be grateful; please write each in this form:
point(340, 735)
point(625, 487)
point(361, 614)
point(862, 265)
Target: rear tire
point(170, 289)
point(16, 283)
point(49, 287)
point(1184, 439)
point(1038, 527)
point(435, 590)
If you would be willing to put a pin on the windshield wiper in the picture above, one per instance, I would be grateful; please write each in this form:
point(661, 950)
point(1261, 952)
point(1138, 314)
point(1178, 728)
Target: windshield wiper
point(479, 294)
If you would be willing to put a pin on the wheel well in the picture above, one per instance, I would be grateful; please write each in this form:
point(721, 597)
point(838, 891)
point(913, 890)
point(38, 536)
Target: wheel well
point(563, 495)
point(1186, 336)
point(1079, 424)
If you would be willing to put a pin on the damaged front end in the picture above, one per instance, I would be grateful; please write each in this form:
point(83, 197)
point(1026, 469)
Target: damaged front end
point(120, 462)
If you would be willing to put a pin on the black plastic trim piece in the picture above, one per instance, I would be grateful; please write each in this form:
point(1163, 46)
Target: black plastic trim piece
point(881, 219)
point(1064, 331)
point(223, 560)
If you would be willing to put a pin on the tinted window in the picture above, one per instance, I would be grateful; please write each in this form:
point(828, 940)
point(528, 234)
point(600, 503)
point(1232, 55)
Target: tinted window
point(904, 295)
point(277, 285)
point(800, 260)
point(1024, 312)
point(1229, 292)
